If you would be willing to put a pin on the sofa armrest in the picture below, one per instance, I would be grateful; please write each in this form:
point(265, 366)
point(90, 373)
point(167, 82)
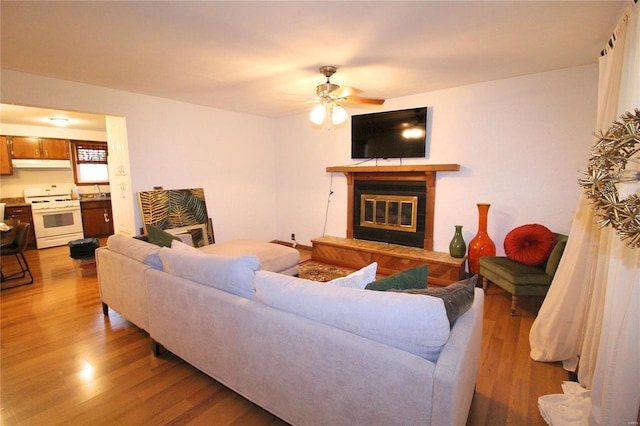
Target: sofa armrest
point(457, 367)
point(122, 286)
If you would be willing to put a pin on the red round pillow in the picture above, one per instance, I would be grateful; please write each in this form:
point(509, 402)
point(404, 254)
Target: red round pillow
point(529, 244)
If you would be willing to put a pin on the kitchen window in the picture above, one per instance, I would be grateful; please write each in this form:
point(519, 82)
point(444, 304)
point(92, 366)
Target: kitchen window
point(90, 162)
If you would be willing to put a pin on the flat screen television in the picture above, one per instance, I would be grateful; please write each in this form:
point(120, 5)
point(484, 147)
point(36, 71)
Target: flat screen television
point(391, 134)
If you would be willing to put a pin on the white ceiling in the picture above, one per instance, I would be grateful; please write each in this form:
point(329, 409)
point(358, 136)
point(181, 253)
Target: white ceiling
point(41, 117)
point(262, 57)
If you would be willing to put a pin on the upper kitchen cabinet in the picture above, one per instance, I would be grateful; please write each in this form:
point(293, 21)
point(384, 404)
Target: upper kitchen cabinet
point(55, 149)
point(5, 157)
point(23, 147)
point(40, 148)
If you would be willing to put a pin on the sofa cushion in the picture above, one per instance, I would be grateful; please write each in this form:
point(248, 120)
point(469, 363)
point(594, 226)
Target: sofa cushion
point(135, 249)
point(409, 278)
point(231, 274)
point(457, 297)
point(273, 257)
point(500, 269)
point(358, 279)
point(159, 237)
point(417, 325)
point(529, 244)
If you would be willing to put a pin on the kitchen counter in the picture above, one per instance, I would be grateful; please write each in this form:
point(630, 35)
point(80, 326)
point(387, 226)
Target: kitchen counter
point(93, 199)
point(19, 201)
point(14, 202)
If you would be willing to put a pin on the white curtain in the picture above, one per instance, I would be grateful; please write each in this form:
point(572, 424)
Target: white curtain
point(592, 310)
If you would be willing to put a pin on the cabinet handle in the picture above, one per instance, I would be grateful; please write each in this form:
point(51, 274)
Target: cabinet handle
point(106, 217)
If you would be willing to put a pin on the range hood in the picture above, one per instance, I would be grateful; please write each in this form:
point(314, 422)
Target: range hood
point(41, 164)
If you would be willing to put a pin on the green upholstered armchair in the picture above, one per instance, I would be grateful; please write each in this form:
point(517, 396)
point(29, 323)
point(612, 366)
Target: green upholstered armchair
point(520, 279)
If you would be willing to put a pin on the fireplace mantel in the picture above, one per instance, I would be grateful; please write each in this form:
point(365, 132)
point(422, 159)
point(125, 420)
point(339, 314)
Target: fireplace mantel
point(420, 168)
point(417, 172)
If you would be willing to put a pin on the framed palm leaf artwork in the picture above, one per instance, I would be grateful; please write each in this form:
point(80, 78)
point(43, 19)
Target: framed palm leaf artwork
point(177, 209)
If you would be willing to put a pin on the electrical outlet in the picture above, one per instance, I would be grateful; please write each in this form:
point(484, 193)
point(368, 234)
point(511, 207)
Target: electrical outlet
point(293, 237)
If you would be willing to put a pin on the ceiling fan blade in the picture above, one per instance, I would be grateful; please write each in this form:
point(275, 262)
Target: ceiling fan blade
point(344, 92)
point(358, 100)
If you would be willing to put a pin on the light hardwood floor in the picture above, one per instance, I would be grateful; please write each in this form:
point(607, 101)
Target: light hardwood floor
point(63, 362)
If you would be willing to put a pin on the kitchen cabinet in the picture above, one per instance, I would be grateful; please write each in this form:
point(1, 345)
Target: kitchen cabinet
point(97, 218)
point(23, 147)
point(55, 149)
point(40, 148)
point(22, 214)
point(5, 157)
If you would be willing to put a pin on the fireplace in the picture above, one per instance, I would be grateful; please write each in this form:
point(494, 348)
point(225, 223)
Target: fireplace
point(390, 211)
point(392, 204)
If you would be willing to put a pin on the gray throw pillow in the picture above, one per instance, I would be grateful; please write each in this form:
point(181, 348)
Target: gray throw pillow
point(457, 297)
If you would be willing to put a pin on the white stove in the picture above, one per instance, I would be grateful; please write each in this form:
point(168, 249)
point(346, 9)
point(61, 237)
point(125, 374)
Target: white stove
point(56, 217)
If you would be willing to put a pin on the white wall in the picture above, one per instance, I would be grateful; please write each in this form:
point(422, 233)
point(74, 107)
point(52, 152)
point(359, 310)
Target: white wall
point(520, 143)
point(177, 145)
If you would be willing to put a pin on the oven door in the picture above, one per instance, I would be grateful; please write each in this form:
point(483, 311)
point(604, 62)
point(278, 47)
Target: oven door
point(57, 226)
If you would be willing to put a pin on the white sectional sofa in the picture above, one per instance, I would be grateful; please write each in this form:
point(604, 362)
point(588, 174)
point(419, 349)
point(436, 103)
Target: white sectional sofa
point(310, 353)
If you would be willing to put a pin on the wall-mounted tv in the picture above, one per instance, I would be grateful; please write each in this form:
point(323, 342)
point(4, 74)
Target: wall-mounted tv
point(391, 134)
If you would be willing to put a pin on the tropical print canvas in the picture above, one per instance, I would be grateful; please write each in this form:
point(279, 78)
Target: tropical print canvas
point(175, 208)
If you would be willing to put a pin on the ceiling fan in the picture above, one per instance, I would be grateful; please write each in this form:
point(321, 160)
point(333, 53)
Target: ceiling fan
point(329, 96)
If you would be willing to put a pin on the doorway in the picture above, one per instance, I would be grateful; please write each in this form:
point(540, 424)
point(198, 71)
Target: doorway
point(22, 120)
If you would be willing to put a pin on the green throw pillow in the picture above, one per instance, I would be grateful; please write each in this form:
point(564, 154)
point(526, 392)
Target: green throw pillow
point(457, 297)
point(159, 237)
point(555, 256)
point(410, 278)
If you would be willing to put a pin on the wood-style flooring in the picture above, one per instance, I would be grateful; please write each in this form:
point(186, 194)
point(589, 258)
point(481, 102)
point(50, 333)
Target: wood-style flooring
point(63, 362)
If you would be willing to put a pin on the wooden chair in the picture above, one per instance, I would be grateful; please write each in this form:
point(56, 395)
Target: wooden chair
point(520, 279)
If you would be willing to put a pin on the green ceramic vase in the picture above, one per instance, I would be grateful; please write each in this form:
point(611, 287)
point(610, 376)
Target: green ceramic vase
point(457, 246)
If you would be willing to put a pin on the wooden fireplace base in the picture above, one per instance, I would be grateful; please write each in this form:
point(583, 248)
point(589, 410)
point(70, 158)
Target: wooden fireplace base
point(391, 258)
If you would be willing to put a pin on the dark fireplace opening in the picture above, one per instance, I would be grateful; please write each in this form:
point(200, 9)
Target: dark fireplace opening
point(390, 211)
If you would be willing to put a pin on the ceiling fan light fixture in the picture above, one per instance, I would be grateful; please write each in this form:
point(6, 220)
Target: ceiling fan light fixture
point(338, 115)
point(330, 96)
point(317, 114)
point(326, 88)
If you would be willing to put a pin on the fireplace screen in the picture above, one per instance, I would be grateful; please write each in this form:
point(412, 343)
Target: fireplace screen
point(392, 212)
